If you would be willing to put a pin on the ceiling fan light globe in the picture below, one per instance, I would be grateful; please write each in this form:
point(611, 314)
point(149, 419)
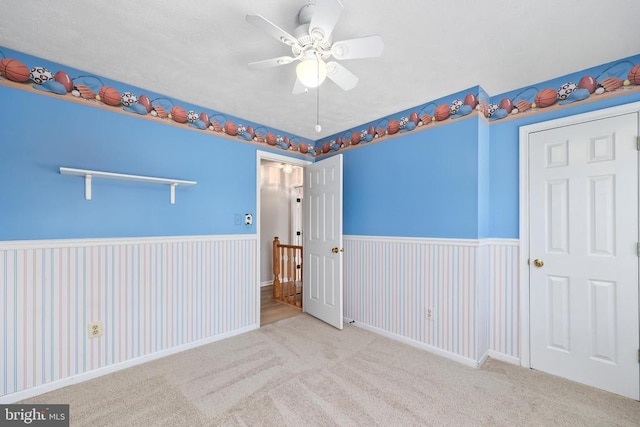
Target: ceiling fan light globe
point(311, 72)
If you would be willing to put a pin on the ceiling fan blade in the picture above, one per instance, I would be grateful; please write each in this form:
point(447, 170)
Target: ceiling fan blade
point(298, 88)
point(272, 29)
point(362, 47)
point(325, 16)
point(341, 76)
point(273, 62)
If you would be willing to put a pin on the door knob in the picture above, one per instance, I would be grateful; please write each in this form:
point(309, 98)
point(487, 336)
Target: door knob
point(336, 250)
point(538, 263)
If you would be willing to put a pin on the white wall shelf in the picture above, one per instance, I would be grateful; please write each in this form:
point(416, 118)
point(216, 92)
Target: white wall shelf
point(90, 174)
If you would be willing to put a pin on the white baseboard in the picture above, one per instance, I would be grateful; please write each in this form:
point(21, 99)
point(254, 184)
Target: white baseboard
point(267, 283)
point(484, 358)
point(504, 358)
point(431, 349)
point(45, 388)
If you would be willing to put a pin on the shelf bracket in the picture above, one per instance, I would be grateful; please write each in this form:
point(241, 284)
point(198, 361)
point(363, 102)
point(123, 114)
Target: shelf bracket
point(87, 186)
point(173, 192)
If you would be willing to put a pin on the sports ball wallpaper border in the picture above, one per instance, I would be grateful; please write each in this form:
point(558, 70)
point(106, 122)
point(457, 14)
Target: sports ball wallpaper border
point(608, 80)
point(26, 72)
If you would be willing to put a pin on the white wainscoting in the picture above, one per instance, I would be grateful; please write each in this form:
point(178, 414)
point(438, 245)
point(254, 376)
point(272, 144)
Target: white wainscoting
point(470, 286)
point(504, 300)
point(153, 295)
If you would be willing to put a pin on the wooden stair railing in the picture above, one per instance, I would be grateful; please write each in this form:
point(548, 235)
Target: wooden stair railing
point(287, 273)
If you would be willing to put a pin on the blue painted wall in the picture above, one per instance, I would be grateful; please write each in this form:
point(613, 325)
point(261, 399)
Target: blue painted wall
point(484, 179)
point(421, 184)
point(452, 181)
point(505, 157)
point(38, 134)
point(457, 179)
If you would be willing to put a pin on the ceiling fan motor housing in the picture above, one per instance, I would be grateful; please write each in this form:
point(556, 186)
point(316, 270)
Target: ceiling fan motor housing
point(305, 13)
point(306, 42)
point(312, 43)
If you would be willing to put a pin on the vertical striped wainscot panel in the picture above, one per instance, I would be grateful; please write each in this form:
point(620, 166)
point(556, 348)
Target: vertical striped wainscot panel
point(391, 282)
point(471, 286)
point(152, 294)
point(504, 282)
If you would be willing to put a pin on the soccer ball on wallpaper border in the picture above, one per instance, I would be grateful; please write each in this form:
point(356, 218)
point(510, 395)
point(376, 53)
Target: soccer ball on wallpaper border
point(566, 89)
point(128, 99)
point(39, 75)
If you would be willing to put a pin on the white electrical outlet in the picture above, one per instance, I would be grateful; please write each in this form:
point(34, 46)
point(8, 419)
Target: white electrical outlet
point(429, 314)
point(95, 329)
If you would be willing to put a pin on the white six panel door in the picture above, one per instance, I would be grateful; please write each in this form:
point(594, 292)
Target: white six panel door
point(322, 266)
point(583, 248)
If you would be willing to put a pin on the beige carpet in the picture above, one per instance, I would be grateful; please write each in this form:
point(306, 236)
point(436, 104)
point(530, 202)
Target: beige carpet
point(302, 372)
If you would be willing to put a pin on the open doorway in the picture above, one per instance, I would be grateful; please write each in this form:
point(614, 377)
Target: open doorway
point(279, 182)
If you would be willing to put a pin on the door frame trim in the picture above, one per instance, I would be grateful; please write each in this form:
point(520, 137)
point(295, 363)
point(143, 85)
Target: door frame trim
point(524, 132)
point(266, 155)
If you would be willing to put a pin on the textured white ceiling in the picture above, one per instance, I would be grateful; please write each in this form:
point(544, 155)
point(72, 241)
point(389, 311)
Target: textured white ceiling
point(197, 50)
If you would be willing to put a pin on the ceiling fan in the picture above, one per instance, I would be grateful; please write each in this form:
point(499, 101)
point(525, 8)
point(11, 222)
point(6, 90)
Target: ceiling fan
point(311, 44)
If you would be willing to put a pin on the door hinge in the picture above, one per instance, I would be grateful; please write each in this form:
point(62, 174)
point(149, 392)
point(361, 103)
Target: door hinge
point(638, 249)
point(638, 142)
